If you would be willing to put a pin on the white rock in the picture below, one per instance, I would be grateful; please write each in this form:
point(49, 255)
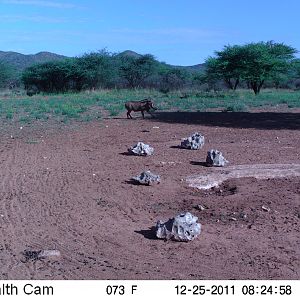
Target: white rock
point(183, 227)
point(265, 208)
point(215, 158)
point(200, 207)
point(147, 178)
point(141, 149)
point(194, 142)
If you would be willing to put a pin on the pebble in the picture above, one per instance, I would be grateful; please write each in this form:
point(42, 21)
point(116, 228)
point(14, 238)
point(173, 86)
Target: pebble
point(265, 208)
point(200, 207)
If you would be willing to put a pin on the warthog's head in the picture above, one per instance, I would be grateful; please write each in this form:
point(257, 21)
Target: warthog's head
point(149, 103)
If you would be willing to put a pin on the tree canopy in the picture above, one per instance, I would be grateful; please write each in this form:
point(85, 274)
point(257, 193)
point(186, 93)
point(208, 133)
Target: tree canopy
point(251, 65)
point(255, 63)
point(6, 73)
point(136, 70)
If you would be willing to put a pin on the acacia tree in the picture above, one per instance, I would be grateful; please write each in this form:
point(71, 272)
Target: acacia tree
point(91, 70)
point(265, 60)
point(296, 68)
point(49, 77)
point(171, 78)
point(226, 66)
point(97, 68)
point(255, 63)
point(6, 72)
point(136, 70)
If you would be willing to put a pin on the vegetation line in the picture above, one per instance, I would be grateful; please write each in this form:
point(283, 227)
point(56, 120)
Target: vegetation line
point(87, 106)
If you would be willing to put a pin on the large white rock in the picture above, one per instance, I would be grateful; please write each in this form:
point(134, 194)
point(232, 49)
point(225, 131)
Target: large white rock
point(194, 142)
point(215, 158)
point(183, 227)
point(146, 178)
point(141, 149)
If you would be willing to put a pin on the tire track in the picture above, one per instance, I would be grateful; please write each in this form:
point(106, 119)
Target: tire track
point(12, 213)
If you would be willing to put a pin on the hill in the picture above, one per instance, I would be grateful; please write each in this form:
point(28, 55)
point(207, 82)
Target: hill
point(193, 68)
point(21, 61)
point(129, 53)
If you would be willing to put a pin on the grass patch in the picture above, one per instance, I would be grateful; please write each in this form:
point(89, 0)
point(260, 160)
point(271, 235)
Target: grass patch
point(32, 142)
point(25, 119)
point(236, 107)
point(85, 106)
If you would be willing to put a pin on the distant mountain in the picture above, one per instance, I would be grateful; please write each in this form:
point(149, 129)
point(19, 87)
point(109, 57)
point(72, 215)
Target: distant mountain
point(129, 53)
point(21, 61)
point(194, 68)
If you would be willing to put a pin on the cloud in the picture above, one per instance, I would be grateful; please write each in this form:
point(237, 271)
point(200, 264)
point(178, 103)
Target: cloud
point(40, 3)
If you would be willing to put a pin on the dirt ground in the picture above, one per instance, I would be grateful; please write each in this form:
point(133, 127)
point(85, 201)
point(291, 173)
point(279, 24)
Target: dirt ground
point(67, 189)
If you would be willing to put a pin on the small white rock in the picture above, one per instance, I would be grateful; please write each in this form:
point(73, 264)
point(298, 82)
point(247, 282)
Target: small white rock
point(200, 207)
point(49, 253)
point(265, 208)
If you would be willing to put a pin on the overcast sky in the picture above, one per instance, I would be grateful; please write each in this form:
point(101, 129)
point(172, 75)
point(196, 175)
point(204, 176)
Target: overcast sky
point(176, 32)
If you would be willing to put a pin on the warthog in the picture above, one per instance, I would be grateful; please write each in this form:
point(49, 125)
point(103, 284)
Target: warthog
point(143, 105)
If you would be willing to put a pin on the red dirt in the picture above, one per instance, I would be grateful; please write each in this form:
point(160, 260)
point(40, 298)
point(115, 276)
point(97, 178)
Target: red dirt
point(68, 190)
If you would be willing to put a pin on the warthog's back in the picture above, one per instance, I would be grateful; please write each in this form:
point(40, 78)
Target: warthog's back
point(137, 105)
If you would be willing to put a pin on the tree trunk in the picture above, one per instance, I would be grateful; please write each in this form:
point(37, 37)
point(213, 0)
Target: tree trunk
point(254, 87)
point(260, 85)
point(236, 83)
point(228, 83)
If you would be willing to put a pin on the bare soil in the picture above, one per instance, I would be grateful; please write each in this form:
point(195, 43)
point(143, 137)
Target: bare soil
point(68, 189)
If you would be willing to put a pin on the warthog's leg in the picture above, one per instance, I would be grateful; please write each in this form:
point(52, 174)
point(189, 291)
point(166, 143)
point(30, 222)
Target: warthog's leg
point(143, 114)
point(129, 115)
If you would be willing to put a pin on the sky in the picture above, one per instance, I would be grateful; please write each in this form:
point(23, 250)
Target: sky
point(177, 32)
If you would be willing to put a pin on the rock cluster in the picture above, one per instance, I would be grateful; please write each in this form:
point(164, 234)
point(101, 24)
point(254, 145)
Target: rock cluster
point(183, 227)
